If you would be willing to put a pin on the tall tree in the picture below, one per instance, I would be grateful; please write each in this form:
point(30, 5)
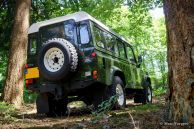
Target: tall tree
point(13, 91)
point(180, 42)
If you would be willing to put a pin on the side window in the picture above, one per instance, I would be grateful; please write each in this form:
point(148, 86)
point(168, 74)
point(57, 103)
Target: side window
point(98, 37)
point(121, 48)
point(110, 41)
point(84, 34)
point(32, 44)
point(116, 49)
point(130, 54)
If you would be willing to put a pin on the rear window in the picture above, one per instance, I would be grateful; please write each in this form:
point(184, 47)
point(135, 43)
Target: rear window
point(32, 46)
point(65, 30)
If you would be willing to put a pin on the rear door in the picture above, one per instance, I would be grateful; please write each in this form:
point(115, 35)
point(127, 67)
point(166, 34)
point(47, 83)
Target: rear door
point(86, 48)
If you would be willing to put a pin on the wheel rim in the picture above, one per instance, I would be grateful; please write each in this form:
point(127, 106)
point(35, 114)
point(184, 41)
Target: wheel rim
point(149, 95)
point(120, 94)
point(54, 59)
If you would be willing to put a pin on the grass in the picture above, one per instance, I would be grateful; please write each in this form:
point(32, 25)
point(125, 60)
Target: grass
point(146, 107)
point(7, 113)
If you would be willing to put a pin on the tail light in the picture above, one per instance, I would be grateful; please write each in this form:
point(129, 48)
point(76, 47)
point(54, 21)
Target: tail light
point(28, 66)
point(93, 54)
point(95, 74)
point(29, 82)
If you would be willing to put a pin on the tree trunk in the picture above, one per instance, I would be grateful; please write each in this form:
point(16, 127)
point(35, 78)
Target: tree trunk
point(180, 37)
point(13, 90)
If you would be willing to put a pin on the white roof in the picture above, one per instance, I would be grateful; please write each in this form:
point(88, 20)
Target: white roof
point(78, 16)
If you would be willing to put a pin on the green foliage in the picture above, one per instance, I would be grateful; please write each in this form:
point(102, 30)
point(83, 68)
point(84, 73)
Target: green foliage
point(105, 106)
point(3, 67)
point(6, 23)
point(29, 97)
point(148, 37)
point(101, 9)
point(146, 107)
point(7, 111)
point(160, 91)
point(130, 19)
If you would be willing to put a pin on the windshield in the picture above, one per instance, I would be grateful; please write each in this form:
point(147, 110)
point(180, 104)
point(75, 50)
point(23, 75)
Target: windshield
point(65, 30)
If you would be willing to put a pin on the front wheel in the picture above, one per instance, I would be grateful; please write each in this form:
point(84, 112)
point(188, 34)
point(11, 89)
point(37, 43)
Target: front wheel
point(148, 94)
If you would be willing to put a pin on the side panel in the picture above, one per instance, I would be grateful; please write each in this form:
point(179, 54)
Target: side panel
point(112, 57)
point(108, 57)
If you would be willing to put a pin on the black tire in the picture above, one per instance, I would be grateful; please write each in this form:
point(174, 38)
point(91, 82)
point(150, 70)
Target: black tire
point(70, 59)
point(148, 94)
point(112, 92)
point(57, 107)
point(98, 96)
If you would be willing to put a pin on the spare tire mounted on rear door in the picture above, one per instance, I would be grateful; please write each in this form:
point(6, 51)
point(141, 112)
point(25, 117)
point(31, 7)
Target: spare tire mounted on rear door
point(57, 58)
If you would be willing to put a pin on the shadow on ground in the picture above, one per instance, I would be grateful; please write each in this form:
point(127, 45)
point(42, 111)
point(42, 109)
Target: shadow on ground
point(147, 116)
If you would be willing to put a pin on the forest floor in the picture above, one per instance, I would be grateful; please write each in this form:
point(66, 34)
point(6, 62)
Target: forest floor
point(138, 116)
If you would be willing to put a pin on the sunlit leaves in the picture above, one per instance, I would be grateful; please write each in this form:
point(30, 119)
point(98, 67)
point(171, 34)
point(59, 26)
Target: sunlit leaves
point(100, 9)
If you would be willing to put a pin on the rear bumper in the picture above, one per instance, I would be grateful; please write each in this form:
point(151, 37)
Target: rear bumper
point(81, 84)
point(64, 87)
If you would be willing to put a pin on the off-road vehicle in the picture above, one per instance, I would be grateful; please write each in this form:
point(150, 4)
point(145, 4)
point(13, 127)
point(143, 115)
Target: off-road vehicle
point(78, 57)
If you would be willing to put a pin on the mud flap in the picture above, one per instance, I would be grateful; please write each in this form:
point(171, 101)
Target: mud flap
point(42, 105)
point(140, 96)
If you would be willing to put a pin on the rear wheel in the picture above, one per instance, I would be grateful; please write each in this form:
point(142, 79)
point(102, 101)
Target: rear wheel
point(57, 107)
point(148, 94)
point(117, 89)
point(98, 95)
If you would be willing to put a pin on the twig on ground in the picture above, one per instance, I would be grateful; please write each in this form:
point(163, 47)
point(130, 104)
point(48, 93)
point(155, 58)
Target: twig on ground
point(133, 121)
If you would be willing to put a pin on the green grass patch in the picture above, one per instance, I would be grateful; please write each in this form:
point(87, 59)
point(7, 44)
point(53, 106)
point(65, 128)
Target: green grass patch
point(7, 112)
point(146, 107)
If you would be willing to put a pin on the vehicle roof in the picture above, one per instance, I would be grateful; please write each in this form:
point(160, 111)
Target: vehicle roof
point(78, 16)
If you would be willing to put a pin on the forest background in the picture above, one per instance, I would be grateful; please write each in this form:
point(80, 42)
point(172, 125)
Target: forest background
point(137, 21)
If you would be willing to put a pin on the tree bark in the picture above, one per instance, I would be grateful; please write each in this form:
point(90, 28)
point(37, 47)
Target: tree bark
point(180, 41)
point(13, 90)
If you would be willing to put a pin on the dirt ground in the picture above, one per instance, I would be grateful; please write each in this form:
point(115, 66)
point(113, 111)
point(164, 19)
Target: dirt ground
point(134, 116)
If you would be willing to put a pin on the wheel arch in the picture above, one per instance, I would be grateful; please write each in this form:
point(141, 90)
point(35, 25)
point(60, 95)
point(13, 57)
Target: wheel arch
point(118, 72)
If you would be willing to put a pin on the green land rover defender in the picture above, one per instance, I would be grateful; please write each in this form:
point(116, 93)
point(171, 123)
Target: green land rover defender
point(76, 57)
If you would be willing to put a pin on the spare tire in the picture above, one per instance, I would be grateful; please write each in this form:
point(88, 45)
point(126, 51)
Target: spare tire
point(57, 58)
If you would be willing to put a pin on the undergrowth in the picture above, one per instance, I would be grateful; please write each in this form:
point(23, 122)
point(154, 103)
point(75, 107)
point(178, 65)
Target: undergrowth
point(146, 107)
point(160, 91)
point(7, 112)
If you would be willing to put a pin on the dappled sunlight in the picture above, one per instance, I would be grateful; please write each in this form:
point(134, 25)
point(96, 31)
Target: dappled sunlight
point(81, 116)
